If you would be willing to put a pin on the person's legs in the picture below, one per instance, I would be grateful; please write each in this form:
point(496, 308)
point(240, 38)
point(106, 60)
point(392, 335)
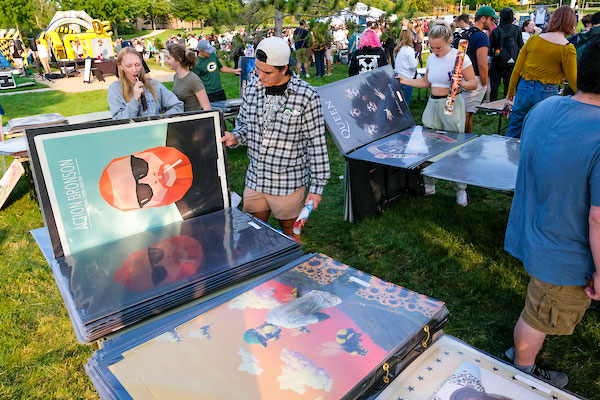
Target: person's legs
point(407, 93)
point(256, 204)
point(528, 343)
point(286, 209)
point(521, 106)
point(319, 61)
point(287, 226)
point(495, 79)
point(468, 122)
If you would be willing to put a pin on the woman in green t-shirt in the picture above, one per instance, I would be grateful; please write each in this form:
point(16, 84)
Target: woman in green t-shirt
point(188, 87)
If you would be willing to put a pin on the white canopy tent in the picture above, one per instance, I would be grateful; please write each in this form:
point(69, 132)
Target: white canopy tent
point(360, 10)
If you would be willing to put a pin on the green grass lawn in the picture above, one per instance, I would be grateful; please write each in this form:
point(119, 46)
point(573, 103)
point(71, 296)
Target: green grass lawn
point(430, 245)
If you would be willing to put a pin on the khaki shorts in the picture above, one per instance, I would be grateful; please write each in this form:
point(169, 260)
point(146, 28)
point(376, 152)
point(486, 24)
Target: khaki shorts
point(303, 55)
point(554, 309)
point(282, 207)
point(473, 98)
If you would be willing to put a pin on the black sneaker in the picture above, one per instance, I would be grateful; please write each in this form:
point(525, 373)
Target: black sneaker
point(556, 378)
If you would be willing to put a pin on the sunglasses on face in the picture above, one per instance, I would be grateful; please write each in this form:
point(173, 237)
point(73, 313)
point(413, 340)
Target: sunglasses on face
point(139, 169)
point(158, 272)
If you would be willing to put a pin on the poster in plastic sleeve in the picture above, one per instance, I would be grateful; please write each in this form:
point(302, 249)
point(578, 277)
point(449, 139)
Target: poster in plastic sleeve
point(102, 182)
point(364, 108)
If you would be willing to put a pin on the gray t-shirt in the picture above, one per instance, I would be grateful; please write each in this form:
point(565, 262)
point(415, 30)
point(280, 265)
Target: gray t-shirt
point(185, 89)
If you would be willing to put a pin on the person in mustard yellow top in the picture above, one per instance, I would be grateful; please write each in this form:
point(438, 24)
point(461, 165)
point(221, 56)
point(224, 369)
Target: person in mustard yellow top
point(544, 61)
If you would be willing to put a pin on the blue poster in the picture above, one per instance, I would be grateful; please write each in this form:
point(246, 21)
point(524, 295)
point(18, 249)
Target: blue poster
point(103, 183)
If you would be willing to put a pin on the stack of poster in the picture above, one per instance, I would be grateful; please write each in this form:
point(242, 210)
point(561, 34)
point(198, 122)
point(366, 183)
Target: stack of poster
point(372, 126)
point(451, 369)
point(489, 162)
point(314, 329)
point(137, 218)
point(20, 124)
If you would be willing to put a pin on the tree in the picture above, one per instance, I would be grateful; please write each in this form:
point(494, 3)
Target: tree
point(16, 13)
point(187, 10)
point(259, 12)
point(115, 11)
point(154, 10)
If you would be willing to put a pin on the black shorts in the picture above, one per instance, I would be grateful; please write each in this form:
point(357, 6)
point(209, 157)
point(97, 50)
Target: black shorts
point(216, 96)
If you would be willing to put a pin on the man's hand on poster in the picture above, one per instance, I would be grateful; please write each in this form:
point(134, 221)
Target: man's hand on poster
point(316, 199)
point(593, 289)
point(229, 139)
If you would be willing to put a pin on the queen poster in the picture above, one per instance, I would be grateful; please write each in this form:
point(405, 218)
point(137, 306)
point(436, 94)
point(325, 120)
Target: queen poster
point(363, 108)
point(101, 182)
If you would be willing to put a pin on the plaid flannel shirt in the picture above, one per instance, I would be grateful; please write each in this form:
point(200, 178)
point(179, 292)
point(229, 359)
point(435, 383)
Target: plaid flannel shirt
point(284, 149)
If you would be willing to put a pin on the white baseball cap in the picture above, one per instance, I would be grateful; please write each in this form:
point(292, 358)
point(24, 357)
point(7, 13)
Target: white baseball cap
point(273, 51)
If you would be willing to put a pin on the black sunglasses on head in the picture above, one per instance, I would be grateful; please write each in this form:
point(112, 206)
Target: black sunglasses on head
point(143, 191)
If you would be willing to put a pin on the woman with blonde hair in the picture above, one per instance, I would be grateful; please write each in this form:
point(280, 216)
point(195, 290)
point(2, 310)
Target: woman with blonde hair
point(438, 76)
point(135, 95)
point(543, 62)
point(188, 87)
point(405, 61)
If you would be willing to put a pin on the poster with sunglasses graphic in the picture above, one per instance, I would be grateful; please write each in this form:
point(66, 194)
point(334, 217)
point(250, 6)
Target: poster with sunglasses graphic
point(105, 181)
point(363, 108)
point(168, 265)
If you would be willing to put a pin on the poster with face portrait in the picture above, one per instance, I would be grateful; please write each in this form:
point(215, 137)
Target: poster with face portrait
point(248, 66)
point(364, 108)
point(116, 284)
point(105, 181)
point(315, 330)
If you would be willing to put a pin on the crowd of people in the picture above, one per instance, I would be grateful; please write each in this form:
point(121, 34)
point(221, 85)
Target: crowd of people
point(554, 223)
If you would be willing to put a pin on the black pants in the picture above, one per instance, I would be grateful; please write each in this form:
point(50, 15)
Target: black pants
point(216, 96)
point(499, 74)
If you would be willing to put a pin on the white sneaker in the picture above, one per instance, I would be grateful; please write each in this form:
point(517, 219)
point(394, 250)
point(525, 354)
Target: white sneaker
point(308, 75)
point(461, 198)
point(429, 190)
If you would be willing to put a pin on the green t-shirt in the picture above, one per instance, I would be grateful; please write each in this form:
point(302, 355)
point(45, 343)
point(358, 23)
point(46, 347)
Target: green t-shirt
point(208, 70)
point(185, 89)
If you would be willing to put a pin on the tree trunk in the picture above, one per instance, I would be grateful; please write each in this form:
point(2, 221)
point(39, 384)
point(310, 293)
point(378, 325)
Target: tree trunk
point(278, 23)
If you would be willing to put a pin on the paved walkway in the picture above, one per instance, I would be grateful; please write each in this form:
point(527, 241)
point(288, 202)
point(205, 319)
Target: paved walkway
point(153, 33)
point(76, 84)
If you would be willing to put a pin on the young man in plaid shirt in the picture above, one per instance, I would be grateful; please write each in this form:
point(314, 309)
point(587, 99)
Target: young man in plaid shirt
point(282, 124)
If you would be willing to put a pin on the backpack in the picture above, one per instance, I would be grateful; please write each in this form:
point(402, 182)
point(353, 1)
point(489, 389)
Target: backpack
point(466, 34)
point(509, 51)
point(584, 39)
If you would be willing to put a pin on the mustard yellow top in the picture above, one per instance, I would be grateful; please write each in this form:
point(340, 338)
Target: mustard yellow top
point(546, 62)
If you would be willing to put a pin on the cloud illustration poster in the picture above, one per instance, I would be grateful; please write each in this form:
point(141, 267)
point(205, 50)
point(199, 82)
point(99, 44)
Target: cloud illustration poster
point(315, 331)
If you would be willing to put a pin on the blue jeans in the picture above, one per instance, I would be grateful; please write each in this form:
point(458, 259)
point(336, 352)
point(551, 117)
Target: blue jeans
point(407, 92)
point(320, 62)
point(529, 93)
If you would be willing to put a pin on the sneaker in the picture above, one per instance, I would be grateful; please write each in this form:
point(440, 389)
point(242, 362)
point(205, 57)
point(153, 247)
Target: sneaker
point(328, 74)
point(510, 354)
point(308, 75)
point(461, 198)
point(556, 378)
point(429, 190)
